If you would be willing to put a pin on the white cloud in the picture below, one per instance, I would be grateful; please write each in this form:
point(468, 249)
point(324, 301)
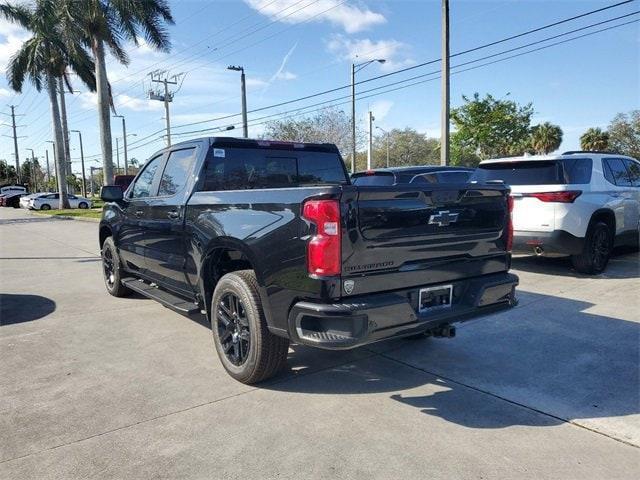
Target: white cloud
point(286, 75)
point(4, 92)
point(11, 39)
point(352, 18)
point(361, 50)
point(381, 109)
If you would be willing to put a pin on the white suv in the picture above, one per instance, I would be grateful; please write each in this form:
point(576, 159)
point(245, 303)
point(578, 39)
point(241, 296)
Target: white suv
point(578, 203)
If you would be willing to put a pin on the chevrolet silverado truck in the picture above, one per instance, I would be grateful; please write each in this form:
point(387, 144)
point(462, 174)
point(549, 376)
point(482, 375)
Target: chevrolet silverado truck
point(274, 244)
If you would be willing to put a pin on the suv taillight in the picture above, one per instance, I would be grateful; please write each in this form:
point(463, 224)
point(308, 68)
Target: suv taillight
point(323, 250)
point(509, 241)
point(566, 196)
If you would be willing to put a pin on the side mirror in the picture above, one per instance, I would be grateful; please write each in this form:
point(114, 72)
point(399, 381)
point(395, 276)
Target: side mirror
point(111, 193)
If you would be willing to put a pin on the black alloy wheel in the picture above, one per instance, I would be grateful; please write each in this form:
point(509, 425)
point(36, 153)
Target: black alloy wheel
point(233, 328)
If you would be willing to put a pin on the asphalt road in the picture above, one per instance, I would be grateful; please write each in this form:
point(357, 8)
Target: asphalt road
point(97, 387)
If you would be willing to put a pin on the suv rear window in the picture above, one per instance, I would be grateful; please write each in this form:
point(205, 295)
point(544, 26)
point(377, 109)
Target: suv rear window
point(244, 168)
point(569, 171)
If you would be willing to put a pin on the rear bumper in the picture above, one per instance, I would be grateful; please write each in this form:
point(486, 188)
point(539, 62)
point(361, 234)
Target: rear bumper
point(557, 242)
point(370, 318)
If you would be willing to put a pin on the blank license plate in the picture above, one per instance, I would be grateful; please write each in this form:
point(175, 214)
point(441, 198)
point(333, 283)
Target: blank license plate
point(435, 298)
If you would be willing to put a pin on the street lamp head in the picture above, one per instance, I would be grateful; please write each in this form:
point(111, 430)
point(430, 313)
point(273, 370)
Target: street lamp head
point(381, 60)
point(76, 131)
point(118, 116)
point(230, 127)
point(235, 68)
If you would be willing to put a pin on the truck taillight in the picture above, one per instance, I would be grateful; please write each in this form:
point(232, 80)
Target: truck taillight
point(565, 196)
point(509, 241)
point(323, 250)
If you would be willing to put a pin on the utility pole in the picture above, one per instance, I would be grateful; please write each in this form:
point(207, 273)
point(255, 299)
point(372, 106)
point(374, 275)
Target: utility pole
point(91, 169)
point(243, 92)
point(15, 141)
point(118, 155)
point(161, 76)
point(444, 117)
point(54, 162)
point(34, 175)
point(370, 149)
point(46, 155)
point(84, 181)
point(124, 141)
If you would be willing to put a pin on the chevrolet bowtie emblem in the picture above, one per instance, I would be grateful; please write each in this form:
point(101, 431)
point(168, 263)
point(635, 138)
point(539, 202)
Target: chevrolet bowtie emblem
point(443, 218)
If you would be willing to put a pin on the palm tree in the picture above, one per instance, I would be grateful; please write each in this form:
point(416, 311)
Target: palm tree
point(44, 58)
point(109, 22)
point(594, 139)
point(546, 138)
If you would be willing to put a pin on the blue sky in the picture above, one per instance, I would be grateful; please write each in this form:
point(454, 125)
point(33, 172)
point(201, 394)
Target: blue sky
point(293, 48)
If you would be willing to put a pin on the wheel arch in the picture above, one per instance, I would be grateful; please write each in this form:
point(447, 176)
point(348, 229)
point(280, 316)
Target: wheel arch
point(604, 215)
point(105, 232)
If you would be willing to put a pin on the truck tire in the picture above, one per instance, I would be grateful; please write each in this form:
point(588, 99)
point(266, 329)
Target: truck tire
point(247, 350)
point(596, 250)
point(112, 270)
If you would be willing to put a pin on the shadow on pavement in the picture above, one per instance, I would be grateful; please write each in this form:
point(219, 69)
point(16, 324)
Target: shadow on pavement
point(626, 258)
point(23, 308)
point(552, 356)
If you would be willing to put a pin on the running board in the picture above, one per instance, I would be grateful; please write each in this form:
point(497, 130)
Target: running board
point(167, 299)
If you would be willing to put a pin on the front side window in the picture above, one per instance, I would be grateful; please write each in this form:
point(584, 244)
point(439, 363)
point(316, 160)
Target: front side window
point(615, 172)
point(142, 187)
point(176, 173)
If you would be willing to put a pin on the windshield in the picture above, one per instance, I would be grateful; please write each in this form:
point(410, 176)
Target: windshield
point(536, 172)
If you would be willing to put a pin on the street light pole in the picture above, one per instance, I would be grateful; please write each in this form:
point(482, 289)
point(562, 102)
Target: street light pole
point(243, 88)
point(444, 117)
point(370, 149)
point(46, 155)
point(34, 176)
point(59, 172)
point(84, 181)
point(118, 155)
point(354, 69)
point(124, 146)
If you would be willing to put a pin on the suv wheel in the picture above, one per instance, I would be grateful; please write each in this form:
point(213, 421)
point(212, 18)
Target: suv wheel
point(45, 206)
point(596, 251)
point(83, 205)
point(111, 270)
point(247, 350)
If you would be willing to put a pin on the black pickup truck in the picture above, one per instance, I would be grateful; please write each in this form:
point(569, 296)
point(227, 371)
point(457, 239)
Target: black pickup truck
point(275, 244)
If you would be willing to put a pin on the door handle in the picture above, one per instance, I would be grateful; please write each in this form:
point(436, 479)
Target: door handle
point(139, 213)
point(173, 214)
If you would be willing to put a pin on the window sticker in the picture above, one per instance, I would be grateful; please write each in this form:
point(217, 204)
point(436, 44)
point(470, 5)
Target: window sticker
point(218, 152)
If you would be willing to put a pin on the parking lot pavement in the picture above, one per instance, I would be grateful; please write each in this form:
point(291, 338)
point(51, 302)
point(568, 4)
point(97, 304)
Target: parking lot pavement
point(94, 386)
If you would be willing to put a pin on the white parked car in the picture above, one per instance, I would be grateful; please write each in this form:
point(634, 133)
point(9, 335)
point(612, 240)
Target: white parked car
point(580, 204)
point(51, 200)
point(25, 200)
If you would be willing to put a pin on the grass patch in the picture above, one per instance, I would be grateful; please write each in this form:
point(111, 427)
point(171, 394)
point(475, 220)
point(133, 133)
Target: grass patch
point(75, 212)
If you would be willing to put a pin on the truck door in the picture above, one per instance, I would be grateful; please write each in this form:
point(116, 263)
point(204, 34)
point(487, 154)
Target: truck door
point(132, 237)
point(165, 252)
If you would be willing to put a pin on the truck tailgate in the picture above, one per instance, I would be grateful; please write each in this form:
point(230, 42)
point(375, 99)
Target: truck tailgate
point(403, 236)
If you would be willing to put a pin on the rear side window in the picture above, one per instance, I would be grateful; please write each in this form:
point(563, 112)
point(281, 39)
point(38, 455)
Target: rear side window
point(142, 187)
point(537, 172)
point(176, 172)
point(240, 168)
point(453, 177)
point(378, 179)
point(634, 172)
point(615, 172)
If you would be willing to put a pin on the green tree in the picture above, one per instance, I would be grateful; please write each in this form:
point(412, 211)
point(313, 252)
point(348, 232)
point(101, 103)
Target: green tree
point(32, 174)
point(624, 134)
point(594, 139)
point(110, 22)
point(44, 57)
point(7, 173)
point(406, 147)
point(546, 138)
point(329, 125)
point(489, 127)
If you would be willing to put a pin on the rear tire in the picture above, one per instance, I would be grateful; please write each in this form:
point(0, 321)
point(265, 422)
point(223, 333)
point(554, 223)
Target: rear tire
point(112, 270)
point(596, 251)
point(246, 348)
point(45, 206)
point(83, 205)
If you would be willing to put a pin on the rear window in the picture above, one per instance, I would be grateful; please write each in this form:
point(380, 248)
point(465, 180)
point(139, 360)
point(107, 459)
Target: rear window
point(242, 168)
point(537, 172)
point(378, 179)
